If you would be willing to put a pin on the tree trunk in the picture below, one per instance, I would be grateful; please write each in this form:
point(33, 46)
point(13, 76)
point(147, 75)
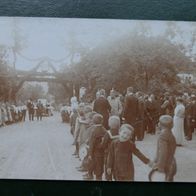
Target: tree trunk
point(14, 61)
point(146, 81)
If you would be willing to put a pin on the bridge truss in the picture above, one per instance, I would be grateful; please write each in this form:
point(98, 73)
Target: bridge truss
point(37, 74)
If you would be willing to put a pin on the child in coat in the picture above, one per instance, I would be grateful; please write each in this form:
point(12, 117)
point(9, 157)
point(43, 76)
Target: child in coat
point(84, 124)
point(120, 155)
point(112, 134)
point(96, 151)
point(81, 117)
point(89, 163)
point(164, 166)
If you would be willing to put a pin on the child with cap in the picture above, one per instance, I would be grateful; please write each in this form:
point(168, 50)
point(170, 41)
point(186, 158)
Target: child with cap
point(164, 162)
point(80, 117)
point(84, 124)
point(120, 155)
point(96, 151)
point(112, 134)
point(88, 162)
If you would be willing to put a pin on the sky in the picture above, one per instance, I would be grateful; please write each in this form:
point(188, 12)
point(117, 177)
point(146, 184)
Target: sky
point(57, 38)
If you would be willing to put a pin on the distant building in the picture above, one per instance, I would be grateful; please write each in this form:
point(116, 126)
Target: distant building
point(188, 78)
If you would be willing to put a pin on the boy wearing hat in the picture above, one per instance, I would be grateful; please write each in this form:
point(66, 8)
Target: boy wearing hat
point(96, 151)
point(89, 163)
point(112, 134)
point(84, 124)
point(120, 155)
point(166, 145)
point(80, 117)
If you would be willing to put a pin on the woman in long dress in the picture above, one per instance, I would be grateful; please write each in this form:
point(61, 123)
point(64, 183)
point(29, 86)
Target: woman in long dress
point(178, 122)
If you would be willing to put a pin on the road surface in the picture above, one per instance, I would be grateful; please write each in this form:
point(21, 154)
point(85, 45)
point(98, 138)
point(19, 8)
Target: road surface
point(43, 150)
point(38, 150)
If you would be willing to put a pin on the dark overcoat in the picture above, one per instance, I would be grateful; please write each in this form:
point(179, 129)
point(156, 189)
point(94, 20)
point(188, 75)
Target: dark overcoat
point(120, 159)
point(130, 109)
point(96, 150)
point(102, 106)
point(165, 160)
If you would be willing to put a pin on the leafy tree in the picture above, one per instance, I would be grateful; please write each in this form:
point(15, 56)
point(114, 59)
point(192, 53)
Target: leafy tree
point(59, 92)
point(31, 91)
point(146, 63)
point(4, 72)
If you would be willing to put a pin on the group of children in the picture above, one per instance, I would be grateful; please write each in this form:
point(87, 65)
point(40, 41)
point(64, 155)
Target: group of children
point(10, 113)
point(109, 152)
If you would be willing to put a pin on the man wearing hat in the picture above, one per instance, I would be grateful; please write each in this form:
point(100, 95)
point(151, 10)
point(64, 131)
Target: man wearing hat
point(130, 107)
point(164, 162)
point(96, 151)
point(191, 117)
point(102, 106)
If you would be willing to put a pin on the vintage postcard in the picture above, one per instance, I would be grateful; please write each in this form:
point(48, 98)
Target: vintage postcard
point(94, 99)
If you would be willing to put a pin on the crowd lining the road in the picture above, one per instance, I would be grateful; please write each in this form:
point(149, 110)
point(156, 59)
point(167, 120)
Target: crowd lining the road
point(96, 126)
point(11, 113)
point(14, 113)
point(105, 130)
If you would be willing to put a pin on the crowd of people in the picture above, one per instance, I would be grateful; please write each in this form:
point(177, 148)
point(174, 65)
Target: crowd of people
point(105, 132)
point(65, 113)
point(14, 113)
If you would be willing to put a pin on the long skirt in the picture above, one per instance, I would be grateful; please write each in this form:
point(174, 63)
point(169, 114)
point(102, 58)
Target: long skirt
point(178, 130)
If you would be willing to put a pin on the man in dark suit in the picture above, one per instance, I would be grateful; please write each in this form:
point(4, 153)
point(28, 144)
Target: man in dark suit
point(30, 107)
point(130, 107)
point(139, 125)
point(102, 106)
point(152, 110)
point(39, 110)
point(191, 117)
point(164, 162)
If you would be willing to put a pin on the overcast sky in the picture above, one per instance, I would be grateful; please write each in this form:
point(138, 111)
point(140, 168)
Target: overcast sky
point(54, 37)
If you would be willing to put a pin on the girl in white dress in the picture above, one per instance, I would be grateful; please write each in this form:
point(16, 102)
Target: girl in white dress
point(178, 122)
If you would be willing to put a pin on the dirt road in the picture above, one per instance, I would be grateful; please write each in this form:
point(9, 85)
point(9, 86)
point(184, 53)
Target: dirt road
point(38, 150)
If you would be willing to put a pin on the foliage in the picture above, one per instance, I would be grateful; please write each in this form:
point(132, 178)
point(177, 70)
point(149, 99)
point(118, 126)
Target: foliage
point(4, 70)
point(58, 91)
point(146, 63)
point(30, 91)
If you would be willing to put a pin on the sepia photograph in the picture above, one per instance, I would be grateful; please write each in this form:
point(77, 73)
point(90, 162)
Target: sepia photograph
point(97, 99)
